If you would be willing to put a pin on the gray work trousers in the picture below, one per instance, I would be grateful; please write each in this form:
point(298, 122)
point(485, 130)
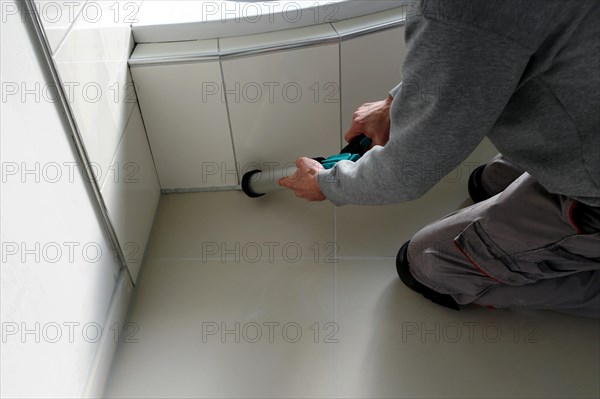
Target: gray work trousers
point(524, 247)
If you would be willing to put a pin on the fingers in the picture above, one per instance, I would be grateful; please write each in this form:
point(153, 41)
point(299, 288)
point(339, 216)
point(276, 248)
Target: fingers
point(291, 181)
point(372, 120)
point(307, 165)
point(359, 122)
point(285, 182)
point(354, 131)
point(304, 181)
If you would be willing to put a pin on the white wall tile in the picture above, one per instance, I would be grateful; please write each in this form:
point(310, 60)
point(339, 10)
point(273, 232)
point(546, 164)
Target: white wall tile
point(57, 18)
point(186, 118)
point(368, 72)
point(284, 105)
point(92, 63)
point(131, 192)
point(50, 207)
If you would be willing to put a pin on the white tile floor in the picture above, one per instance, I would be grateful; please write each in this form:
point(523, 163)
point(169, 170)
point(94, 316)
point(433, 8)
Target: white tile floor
point(308, 326)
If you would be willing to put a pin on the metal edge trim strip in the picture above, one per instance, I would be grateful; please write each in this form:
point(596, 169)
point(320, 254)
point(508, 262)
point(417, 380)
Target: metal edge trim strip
point(162, 60)
point(372, 29)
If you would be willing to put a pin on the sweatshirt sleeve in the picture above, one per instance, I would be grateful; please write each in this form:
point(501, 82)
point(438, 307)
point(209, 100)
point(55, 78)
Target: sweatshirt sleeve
point(395, 90)
point(457, 79)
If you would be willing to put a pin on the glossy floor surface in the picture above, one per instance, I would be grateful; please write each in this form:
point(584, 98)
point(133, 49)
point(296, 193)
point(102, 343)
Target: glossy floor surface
point(277, 297)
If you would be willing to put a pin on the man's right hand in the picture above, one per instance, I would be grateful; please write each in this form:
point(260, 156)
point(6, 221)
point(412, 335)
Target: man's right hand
point(372, 120)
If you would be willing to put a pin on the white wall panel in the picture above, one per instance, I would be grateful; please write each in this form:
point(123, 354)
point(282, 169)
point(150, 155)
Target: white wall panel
point(284, 105)
point(92, 63)
point(57, 18)
point(131, 192)
point(371, 67)
point(186, 118)
point(46, 210)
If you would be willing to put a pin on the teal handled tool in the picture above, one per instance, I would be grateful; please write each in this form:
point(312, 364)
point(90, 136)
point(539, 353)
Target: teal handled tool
point(257, 183)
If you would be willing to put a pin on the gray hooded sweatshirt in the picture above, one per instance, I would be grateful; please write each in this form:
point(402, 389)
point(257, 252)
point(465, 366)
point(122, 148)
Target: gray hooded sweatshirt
point(526, 74)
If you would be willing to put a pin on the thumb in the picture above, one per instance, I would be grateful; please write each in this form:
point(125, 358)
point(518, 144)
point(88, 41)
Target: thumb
point(354, 131)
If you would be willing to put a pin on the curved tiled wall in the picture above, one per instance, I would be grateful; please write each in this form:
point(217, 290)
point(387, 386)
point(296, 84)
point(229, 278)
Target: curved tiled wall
point(214, 109)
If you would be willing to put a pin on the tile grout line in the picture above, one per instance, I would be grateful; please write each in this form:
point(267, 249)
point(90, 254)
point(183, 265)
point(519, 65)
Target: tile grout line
point(113, 159)
point(335, 318)
point(224, 87)
point(301, 260)
point(335, 241)
point(69, 29)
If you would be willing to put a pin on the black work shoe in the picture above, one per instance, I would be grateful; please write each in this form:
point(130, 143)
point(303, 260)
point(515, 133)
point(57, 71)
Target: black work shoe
point(476, 190)
point(408, 279)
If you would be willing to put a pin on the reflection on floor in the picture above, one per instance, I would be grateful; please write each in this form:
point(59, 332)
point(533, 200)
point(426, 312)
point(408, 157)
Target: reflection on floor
point(277, 297)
